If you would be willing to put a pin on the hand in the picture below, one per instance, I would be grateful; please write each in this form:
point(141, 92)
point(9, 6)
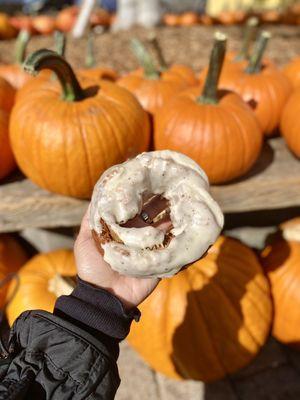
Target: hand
point(93, 269)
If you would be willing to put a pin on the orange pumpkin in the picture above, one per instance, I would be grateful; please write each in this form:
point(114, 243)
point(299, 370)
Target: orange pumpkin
point(290, 123)
point(217, 130)
point(7, 31)
point(66, 18)
point(22, 22)
point(292, 72)
point(188, 18)
point(209, 320)
point(44, 24)
point(14, 73)
point(7, 161)
point(100, 17)
point(150, 86)
point(281, 262)
point(266, 89)
point(79, 131)
point(171, 19)
point(12, 257)
point(40, 283)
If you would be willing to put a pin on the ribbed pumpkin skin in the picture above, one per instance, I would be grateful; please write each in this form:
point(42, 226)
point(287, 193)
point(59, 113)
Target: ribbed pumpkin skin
point(292, 72)
point(224, 139)
point(209, 320)
point(12, 257)
point(14, 74)
point(281, 262)
point(7, 161)
point(153, 94)
point(290, 122)
point(33, 290)
point(7, 95)
point(267, 92)
point(65, 146)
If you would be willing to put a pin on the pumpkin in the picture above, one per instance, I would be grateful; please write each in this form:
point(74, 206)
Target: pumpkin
point(290, 123)
point(292, 72)
point(205, 19)
point(7, 95)
point(66, 18)
point(189, 18)
point(22, 22)
point(41, 281)
point(266, 89)
point(7, 161)
point(171, 19)
point(281, 262)
point(150, 86)
point(44, 24)
point(7, 31)
point(216, 129)
point(100, 17)
point(79, 131)
point(12, 257)
point(14, 73)
point(91, 71)
point(209, 320)
point(231, 17)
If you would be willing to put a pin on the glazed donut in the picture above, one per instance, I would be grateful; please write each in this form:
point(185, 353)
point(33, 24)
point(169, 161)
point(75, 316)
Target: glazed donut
point(119, 195)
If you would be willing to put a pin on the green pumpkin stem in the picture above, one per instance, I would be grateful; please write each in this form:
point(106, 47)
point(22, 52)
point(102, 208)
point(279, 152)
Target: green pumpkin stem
point(210, 90)
point(21, 45)
point(144, 59)
point(48, 59)
point(255, 63)
point(249, 34)
point(152, 39)
point(90, 55)
point(60, 43)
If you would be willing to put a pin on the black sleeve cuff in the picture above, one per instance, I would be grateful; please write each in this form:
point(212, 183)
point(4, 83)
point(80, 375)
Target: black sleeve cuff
point(97, 310)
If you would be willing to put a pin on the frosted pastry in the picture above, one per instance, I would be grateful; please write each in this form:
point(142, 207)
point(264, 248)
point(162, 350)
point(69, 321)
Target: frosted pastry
point(119, 195)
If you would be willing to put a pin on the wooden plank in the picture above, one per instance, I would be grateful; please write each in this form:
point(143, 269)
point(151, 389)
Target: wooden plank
point(273, 183)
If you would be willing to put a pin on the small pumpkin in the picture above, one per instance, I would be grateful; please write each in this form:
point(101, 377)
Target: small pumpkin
point(171, 19)
point(290, 123)
point(100, 17)
point(7, 31)
point(292, 72)
point(40, 282)
point(44, 24)
point(14, 73)
point(7, 161)
point(79, 131)
point(12, 257)
point(65, 19)
point(22, 22)
point(189, 18)
point(209, 320)
point(281, 262)
point(151, 87)
point(216, 129)
point(265, 88)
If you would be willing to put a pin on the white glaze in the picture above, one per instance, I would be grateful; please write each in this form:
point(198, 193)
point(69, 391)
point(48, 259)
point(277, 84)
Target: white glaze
point(196, 218)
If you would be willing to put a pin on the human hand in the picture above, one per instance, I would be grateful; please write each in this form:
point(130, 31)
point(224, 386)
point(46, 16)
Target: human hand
point(92, 268)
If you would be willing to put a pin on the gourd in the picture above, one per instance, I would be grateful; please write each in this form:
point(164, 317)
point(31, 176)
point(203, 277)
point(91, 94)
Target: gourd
point(209, 320)
point(12, 257)
point(281, 262)
point(40, 282)
point(290, 123)
point(216, 129)
point(66, 134)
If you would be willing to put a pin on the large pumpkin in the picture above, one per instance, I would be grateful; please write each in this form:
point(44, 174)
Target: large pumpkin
point(290, 122)
point(209, 320)
point(265, 88)
point(152, 87)
point(41, 281)
point(281, 260)
point(217, 130)
point(12, 257)
point(7, 161)
point(292, 72)
point(64, 135)
point(14, 73)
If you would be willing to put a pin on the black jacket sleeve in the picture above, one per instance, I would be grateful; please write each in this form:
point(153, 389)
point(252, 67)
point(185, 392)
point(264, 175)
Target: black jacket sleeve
point(70, 354)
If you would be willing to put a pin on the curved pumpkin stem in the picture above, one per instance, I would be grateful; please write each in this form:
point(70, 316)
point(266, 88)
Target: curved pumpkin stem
point(60, 43)
point(152, 39)
point(249, 34)
point(48, 59)
point(144, 59)
point(210, 91)
point(90, 55)
point(21, 45)
point(255, 60)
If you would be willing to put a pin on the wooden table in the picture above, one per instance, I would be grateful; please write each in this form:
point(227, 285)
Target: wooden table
point(273, 183)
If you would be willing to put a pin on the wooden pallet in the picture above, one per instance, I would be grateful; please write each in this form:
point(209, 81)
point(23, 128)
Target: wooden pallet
point(273, 183)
